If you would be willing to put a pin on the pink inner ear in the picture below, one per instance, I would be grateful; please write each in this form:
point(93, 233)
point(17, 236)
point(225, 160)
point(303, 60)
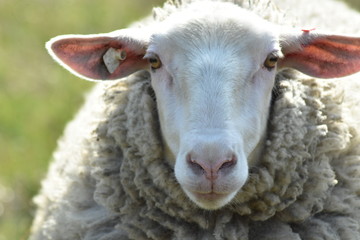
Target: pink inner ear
point(85, 56)
point(326, 57)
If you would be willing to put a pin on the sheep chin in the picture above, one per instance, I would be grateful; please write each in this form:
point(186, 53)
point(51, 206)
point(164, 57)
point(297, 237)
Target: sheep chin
point(212, 200)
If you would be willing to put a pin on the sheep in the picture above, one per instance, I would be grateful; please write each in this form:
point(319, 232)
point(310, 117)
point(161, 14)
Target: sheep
point(206, 131)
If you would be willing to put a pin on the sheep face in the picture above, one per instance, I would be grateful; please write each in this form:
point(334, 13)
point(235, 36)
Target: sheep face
point(213, 95)
point(212, 67)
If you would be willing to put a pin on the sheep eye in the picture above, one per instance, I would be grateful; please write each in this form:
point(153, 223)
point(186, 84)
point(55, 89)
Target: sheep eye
point(271, 61)
point(155, 62)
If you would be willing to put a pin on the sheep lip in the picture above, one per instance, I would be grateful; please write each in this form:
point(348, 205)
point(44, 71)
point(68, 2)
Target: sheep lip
point(211, 196)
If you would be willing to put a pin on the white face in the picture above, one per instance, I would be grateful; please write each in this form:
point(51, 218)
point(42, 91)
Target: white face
point(213, 93)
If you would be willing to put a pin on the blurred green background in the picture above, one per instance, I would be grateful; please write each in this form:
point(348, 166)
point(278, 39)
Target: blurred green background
point(353, 3)
point(37, 97)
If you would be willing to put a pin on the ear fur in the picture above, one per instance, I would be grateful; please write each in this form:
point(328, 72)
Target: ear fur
point(321, 55)
point(86, 55)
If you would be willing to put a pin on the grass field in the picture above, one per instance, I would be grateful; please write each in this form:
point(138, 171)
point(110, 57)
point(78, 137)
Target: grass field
point(37, 97)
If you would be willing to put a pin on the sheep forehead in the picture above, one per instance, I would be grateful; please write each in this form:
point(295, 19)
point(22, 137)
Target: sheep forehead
point(233, 30)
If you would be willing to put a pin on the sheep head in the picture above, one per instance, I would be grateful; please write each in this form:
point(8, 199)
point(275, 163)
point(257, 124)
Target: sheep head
point(212, 68)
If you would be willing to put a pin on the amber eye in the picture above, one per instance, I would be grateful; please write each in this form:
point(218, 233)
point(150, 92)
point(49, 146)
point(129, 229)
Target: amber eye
point(271, 61)
point(154, 61)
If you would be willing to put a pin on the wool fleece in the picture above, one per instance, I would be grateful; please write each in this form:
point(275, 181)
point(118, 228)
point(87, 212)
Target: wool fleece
point(115, 184)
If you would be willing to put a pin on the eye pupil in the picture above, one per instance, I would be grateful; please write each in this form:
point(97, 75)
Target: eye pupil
point(271, 61)
point(154, 62)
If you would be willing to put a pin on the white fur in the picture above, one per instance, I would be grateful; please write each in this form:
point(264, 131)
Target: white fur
point(213, 92)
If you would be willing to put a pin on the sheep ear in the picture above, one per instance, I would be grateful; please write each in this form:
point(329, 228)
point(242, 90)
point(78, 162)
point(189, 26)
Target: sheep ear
point(321, 55)
point(100, 57)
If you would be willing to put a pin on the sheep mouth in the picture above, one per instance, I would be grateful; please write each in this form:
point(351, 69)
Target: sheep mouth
point(211, 196)
point(210, 200)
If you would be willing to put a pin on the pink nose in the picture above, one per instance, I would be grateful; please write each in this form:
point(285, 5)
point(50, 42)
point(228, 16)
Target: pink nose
point(210, 167)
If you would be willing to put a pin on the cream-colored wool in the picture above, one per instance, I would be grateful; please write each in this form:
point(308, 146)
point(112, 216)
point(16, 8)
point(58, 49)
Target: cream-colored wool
point(109, 179)
point(305, 186)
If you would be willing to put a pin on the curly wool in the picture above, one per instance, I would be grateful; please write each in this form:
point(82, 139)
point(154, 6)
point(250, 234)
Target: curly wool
point(110, 180)
point(295, 182)
point(304, 188)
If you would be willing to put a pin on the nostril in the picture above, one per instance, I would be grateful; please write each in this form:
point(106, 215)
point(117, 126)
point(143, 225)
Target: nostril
point(228, 163)
point(210, 168)
point(196, 167)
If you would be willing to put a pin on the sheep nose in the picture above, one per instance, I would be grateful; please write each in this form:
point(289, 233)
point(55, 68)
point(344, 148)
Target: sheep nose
point(210, 167)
